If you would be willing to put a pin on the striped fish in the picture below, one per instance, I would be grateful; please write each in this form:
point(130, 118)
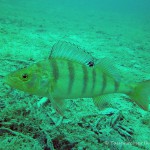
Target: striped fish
point(71, 73)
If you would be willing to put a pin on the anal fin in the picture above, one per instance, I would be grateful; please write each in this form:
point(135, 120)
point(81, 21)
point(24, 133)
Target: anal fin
point(103, 101)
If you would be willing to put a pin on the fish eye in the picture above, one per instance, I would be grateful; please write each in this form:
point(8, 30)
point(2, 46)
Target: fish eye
point(24, 76)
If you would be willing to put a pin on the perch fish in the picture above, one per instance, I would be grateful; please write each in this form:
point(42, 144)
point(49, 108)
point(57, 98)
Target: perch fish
point(71, 73)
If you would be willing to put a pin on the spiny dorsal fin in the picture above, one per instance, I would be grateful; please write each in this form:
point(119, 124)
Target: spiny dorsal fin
point(107, 67)
point(70, 51)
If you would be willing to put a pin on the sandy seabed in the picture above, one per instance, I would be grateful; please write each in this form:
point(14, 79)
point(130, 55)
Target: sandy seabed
point(27, 35)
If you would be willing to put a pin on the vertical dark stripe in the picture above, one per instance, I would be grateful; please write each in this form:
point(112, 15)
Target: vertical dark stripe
point(94, 79)
point(55, 69)
point(104, 81)
point(85, 79)
point(116, 86)
point(71, 76)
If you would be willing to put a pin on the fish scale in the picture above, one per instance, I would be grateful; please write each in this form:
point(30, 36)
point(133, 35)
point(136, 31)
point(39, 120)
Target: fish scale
point(77, 80)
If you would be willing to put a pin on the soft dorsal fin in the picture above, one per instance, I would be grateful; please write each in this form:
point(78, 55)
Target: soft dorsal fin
point(108, 68)
point(70, 51)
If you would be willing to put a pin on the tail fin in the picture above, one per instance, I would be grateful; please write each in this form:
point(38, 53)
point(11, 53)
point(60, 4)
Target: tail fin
point(141, 94)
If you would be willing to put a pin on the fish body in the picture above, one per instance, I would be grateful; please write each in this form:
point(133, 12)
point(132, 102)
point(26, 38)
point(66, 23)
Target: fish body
point(65, 76)
point(65, 79)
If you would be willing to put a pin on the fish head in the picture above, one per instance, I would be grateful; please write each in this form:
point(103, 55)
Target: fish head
point(26, 79)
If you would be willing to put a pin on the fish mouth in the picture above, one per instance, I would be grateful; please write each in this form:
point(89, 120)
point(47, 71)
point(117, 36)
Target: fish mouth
point(10, 80)
point(14, 82)
point(5, 79)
